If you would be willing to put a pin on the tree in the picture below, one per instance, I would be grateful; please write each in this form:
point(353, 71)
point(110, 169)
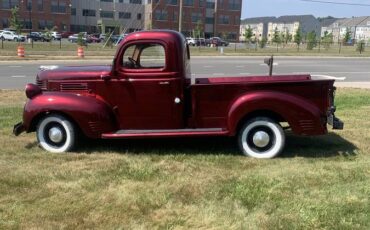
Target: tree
point(298, 36)
point(361, 46)
point(347, 37)
point(327, 40)
point(311, 40)
point(48, 33)
point(248, 34)
point(198, 29)
point(15, 23)
point(262, 43)
point(276, 37)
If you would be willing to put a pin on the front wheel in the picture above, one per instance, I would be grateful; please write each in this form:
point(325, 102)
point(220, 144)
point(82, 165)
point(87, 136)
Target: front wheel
point(56, 134)
point(261, 137)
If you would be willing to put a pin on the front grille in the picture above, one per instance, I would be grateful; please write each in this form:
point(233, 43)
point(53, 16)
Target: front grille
point(41, 84)
point(65, 87)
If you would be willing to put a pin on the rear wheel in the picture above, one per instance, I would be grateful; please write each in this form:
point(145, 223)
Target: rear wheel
point(261, 137)
point(56, 134)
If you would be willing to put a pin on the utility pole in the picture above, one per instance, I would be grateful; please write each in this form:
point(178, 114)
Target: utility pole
point(215, 20)
point(180, 17)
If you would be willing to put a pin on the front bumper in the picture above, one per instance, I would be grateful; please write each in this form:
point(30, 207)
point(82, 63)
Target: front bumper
point(18, 129)
point(335, 122)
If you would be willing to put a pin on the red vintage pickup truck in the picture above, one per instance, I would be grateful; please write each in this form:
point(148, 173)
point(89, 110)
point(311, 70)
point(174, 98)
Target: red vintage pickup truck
point(149, 92)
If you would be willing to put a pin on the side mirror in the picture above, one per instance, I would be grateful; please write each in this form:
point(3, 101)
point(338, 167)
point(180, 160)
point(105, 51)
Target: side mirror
point(105, 77)
point(270, 63)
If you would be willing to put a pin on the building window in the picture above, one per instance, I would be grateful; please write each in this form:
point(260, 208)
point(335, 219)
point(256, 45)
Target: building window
point(209, 20)
point(124, 15)
point(237, 20)
point(58, 7)
point(106, 0)
point(138, 17)
point(175, 16)
point(171, 2)
point(9, 4)
point(161, 15)
point(210, 5)
point(234, 5)
point(106, 14)
point(73, 11)
point(201, 3)
point(135, 1)
point(27, 24)
point(223, 19)
point(88, 13)
point(188, 2)
point(40, 5)
point(29, 4)
point(42, 24)
point(195, 17)
point(5, 22)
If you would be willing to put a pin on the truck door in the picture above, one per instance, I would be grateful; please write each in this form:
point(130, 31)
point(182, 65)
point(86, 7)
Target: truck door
point(151, 96)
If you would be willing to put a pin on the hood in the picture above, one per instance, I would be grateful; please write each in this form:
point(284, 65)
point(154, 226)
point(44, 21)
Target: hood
point(89, 72)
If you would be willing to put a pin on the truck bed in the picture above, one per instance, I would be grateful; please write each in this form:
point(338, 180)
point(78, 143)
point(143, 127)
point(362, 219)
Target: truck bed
point(212, 98)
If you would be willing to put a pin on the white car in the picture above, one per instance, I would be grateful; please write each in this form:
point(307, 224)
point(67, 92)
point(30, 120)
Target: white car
point(11, 36)
point(190, 41)
point(56, 35)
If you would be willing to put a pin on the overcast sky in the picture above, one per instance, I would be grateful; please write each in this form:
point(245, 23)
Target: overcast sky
point(259, 8)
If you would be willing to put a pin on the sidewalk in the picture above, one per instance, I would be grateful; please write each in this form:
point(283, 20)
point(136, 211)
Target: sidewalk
point(358, 85)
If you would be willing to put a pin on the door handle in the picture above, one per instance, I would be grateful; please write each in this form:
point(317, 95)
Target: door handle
point(164, 83)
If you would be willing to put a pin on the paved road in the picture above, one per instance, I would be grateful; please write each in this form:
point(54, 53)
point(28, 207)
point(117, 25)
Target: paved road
point(14, 75)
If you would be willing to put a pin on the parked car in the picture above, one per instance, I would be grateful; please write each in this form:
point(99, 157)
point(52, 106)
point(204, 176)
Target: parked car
point(138, 97)
point(12, 36)
point(35, 36)
point(200, 42)
point(218, 41)
point(190, 41)
point(55, 35)
point(65, 34)
point(74, 37)
point(93, 38)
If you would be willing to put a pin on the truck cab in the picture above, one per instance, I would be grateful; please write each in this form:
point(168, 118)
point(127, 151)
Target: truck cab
point(149, 92)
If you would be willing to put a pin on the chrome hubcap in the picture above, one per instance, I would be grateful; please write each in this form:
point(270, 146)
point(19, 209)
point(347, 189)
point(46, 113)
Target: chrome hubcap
point(261, 139)
point(55, 134)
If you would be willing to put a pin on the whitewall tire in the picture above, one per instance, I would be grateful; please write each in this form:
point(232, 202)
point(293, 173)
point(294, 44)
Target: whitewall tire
point(56, 134)
point(261, 137)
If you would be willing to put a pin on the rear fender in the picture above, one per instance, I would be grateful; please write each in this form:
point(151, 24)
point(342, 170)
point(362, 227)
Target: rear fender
point(92, 115)
point(302, 115)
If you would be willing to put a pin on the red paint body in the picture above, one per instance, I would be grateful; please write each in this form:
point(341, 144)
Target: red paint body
point(102, 100)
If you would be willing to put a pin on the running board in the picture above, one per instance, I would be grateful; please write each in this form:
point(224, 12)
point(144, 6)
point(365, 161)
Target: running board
point(164, 133)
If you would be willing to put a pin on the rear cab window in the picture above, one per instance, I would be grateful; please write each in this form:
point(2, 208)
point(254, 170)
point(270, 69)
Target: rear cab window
point(144, 56)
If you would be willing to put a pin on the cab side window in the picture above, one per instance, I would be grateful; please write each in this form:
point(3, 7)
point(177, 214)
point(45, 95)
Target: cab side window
point(144, 56)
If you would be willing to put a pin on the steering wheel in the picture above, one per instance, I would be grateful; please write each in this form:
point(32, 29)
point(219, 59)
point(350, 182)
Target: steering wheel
point(133, 62)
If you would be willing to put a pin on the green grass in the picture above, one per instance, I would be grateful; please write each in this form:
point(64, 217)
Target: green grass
point(317, 183)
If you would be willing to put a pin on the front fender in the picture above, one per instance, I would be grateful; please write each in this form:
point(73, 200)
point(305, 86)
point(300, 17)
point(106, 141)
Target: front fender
point(303, 116)
point(92, 115)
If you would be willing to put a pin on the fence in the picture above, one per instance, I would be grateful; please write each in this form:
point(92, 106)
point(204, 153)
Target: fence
point(329, 48)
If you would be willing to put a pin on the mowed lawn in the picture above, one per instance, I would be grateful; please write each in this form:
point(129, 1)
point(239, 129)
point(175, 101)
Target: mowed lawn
point(317, 182)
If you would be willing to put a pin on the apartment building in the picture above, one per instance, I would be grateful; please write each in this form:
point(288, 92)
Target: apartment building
point(36, 15)
point(258, 25)
point(358, 27)
point(291, 23)
point(209, 17)
point(102, 16)
point(265, 27)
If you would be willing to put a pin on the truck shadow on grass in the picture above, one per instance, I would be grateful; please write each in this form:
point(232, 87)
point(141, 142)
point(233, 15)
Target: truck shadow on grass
point(330, 145)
